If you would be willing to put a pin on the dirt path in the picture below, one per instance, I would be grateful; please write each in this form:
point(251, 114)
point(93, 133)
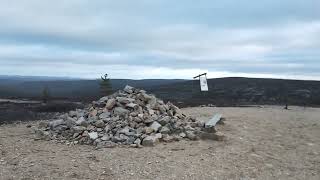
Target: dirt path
point(262, 143)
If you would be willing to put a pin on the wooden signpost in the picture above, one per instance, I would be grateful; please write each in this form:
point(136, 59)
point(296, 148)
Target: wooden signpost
point(203, 81)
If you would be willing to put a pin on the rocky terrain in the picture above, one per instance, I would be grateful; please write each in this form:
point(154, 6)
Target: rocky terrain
point(129, 117)
point(261, 143)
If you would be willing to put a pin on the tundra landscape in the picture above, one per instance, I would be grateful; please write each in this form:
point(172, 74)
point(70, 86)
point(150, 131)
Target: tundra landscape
point(159, 89)
point(254, 141)
point(261, 143)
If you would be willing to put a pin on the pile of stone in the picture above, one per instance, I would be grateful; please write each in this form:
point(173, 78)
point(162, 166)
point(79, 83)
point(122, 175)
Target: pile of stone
point(128, 117)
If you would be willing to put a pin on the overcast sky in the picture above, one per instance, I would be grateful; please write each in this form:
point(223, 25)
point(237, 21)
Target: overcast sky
point(160, 38)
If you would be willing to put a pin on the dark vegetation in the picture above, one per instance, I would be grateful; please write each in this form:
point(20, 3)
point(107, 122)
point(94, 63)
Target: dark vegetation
point(243, 91)
point(26, 111)
point(61, 93)
point(222, 91)
point(67, 89)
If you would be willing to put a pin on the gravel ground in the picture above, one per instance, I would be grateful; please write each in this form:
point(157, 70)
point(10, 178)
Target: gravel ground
point(261, 143)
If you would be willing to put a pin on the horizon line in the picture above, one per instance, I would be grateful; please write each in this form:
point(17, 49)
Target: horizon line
point(79, 78)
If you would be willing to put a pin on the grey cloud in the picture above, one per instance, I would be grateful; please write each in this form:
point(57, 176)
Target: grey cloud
point(266, 37)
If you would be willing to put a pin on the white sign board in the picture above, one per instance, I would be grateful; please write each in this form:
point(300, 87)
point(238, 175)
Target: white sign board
point(203, 83)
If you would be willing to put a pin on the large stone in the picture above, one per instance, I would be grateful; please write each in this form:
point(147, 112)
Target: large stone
point(93, 135)
point(111, 103)
point(182, 134)
point(120, 138)
point(132, 106)
point(105, 138)
point(160, 102)
point(70, 122)
point(170, 113)
point(94, 113)
point(82, 122)
point(130, 140)
point(140, 110)
point(164, 120)
point(150, 141)
point(43, 125)
point(45, 135)
point(158, 136)
point(176, 111)
point(73, 113)
point(162, 108)
point(165, 130)
point(103, 99)
point(144, 97)
point(107, 128)
point(155, 126)
point(148, 120)
point(151, 111)
point(128, 89)
point(115, 118)
point(134, 114)
point(120, 111)
point(137, 141)
point(78, 129)
point(152, 103)
point(126, 131)
point(85, 134)
point(104, 115)
point(137, 119)
point(99, 124)
point(55, 123)
point(125, 100)
point(106, 120)
point(80, 113)
point(92, 119)
point(148, 130)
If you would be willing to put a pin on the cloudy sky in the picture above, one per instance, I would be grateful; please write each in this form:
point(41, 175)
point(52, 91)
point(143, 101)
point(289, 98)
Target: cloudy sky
point(160, 38)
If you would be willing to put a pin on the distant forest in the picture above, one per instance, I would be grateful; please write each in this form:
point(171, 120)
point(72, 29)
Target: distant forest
point(222, 91)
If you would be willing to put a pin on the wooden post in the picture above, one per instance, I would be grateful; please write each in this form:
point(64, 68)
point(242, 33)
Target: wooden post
point(203, 94)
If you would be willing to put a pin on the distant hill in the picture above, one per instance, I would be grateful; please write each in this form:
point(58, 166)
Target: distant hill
point(235, 91)
point(34, 78)
point(73, 89)
point(222, 91)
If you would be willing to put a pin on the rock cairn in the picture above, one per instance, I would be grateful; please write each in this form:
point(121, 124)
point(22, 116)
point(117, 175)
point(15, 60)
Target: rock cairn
point(128, 117)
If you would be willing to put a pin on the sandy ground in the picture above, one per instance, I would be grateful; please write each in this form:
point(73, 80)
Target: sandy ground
point(262, 143)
